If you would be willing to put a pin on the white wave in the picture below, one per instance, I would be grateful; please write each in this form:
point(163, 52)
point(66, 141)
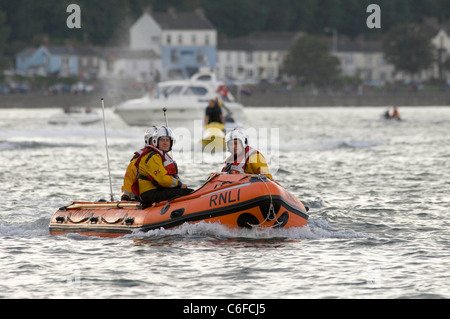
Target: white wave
point(18, 145)
point(317, 229)
point(69, 131)
point(33, 229)
point(320, 144)
point(5, 145)
point(322, 229)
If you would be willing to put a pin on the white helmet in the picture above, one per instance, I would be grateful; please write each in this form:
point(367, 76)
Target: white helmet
point(236, 134)
point(148, 135)
point(163, 132)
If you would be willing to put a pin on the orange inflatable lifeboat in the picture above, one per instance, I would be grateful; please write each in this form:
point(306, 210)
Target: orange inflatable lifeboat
point(234, 200)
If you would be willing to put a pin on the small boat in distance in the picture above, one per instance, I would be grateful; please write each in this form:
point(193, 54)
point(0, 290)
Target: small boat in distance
point(394, 116)
point(75, 115)
point(233, 200)
point(185, 101)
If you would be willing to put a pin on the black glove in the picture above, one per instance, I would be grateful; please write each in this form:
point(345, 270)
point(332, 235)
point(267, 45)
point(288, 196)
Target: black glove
point(228, 168)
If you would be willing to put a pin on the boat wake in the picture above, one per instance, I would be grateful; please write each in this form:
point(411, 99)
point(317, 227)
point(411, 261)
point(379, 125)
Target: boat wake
point(37, 228)
point(316, 229)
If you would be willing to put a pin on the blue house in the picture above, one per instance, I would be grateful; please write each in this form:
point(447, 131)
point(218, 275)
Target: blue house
point(57, 60)
point(185, 41)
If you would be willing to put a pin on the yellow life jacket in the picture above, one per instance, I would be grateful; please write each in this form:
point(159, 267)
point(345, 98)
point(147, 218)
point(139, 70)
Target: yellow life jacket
point(248, 162)
point(163, 173)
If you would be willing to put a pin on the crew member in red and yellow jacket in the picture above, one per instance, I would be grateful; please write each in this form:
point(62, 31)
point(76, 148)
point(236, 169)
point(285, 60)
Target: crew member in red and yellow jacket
point(243, 158)
point(157, 172)
point(131, 172)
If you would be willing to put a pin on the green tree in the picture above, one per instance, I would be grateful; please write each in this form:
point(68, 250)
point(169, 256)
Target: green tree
point(236, 17)
point(325, 14)
point(446, 64)
point(408, 49)
point(100, 21)
point(4, 33)
point(309, 59)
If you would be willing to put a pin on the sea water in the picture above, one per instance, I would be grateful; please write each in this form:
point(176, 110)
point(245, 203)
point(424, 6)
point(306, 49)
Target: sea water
point(378, 193)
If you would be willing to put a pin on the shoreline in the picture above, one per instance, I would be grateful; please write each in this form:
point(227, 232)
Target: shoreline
point(350, 100)
point(35, 100)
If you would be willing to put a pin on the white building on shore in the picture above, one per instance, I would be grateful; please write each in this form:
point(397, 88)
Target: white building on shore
point(186, 41)
point(365, 60)
point(255, 57)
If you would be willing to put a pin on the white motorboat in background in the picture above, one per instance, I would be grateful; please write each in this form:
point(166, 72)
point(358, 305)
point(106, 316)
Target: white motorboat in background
point(185, 101)
point(75, 115)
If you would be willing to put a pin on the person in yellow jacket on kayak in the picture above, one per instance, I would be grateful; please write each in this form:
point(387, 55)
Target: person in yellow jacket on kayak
point(243, 158)
point(157, 172)
point(131, 172)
